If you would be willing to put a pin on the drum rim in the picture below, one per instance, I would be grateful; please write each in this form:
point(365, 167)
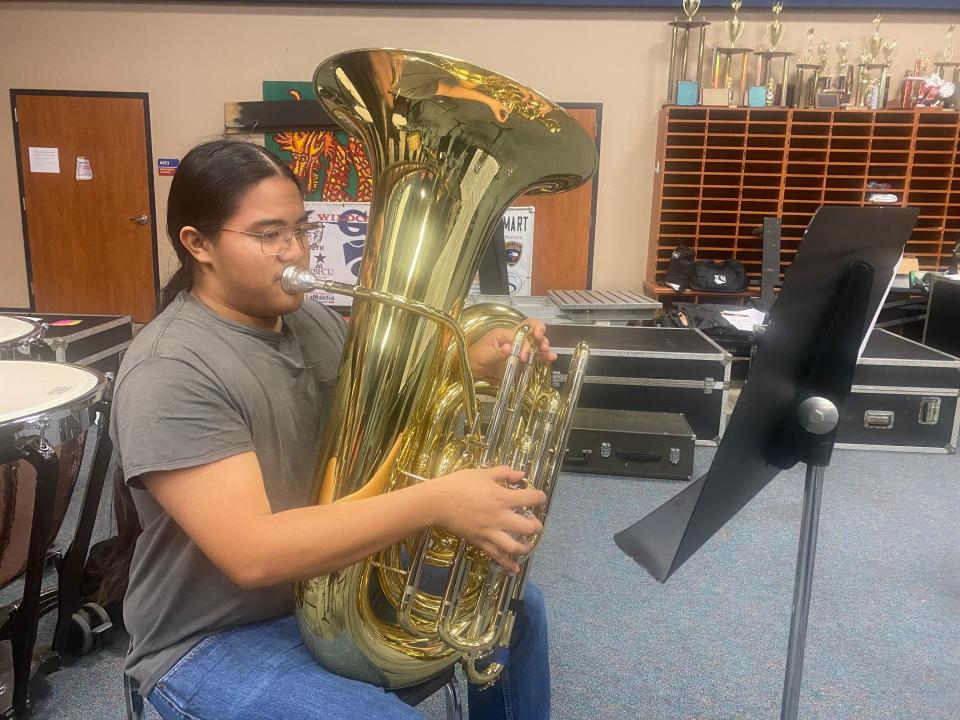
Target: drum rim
point(18, 428)
point(35, 334)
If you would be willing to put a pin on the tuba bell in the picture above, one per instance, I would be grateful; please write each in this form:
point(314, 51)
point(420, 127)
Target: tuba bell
point(450, 146)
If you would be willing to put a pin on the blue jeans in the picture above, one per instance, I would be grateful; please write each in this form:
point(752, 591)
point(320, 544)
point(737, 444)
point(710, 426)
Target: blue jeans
point(264, 672)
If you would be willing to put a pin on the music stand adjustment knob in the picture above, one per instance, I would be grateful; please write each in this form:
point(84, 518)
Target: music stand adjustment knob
point(818, 415)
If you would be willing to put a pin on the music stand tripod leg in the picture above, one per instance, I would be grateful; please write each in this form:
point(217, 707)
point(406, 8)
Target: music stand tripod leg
point(802, 587)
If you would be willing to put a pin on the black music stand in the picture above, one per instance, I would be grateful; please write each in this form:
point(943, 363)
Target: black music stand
point(493, 264)
point(790, 404)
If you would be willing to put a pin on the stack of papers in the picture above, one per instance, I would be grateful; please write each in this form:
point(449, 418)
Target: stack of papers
point(747, 319)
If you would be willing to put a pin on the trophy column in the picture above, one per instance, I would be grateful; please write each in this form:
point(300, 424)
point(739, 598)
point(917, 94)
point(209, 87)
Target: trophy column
point(942, 67)
point(681, 58)
point(805, 85)
point(871, 82)
point(768, 80)
point(724, 69)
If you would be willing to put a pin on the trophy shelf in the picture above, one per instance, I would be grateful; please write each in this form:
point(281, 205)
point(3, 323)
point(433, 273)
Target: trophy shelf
point(722, 170)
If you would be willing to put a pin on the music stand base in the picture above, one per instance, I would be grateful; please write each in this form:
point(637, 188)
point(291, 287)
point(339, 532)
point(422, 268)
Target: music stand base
point(803, 584)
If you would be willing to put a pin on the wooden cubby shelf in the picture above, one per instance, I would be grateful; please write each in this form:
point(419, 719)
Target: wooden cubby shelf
point(722, 170)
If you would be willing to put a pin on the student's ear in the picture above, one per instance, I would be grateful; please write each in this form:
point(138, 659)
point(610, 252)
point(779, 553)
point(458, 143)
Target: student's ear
point(196, 243)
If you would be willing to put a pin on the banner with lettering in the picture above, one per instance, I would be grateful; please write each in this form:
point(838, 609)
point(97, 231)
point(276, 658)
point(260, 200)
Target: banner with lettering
point(336, 255)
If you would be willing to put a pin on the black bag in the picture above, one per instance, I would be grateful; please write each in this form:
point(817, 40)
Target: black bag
point(719, 276)
point(678, 271)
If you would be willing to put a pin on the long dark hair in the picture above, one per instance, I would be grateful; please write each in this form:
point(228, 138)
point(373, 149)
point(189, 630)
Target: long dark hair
point(206, 189)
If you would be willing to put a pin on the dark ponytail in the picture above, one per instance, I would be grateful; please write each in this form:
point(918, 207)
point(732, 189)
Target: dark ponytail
point(206, 190)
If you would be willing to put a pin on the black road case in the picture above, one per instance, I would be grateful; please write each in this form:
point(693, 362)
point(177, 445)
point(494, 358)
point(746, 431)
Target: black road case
point(630, 442)
point(673, 370)
point(96, 341)
point(904, 398)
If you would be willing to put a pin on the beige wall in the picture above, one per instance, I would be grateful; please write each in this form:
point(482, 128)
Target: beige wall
point(193, 58)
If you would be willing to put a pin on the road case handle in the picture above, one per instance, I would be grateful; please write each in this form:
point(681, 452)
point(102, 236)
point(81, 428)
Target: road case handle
point(638, 456)
point(582, 459)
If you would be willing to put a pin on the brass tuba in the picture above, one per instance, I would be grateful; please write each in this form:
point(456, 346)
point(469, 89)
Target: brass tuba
point(450, 146)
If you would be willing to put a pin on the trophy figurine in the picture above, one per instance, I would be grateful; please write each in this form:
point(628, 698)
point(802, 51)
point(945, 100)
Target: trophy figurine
point(875, 41)
point(823, 54)
point(948, 51)
point(723, 59)
point(947, 66)
point(871, 84)
point(887, 49)
point(775, 28)
point(683, 90)
point(823, 60)
point(842, 80)
point(842, 65)
point(767, 86)
point(807, 57)
point(734, 25)
point(808, 76)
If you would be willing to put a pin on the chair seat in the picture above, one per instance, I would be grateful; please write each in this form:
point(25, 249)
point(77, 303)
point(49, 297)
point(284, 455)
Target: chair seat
point(416, 694)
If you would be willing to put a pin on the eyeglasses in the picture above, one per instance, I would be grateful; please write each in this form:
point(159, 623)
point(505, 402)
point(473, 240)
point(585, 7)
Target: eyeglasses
point(276, 240)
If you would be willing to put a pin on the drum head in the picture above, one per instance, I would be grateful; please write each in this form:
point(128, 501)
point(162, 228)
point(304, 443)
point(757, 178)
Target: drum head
point(14, 329)
point(64, 394)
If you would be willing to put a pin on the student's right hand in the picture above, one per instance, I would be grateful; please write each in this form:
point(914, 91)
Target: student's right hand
point(475, 505)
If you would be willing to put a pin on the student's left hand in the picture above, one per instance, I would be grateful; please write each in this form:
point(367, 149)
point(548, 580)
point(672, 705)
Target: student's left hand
point(488, 355)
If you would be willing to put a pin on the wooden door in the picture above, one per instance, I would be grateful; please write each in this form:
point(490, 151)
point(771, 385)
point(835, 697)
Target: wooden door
point(563, 228)
point(90, 243)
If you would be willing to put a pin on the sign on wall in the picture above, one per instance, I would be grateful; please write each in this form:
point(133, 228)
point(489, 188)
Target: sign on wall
point(336, 256)
point(518, 240)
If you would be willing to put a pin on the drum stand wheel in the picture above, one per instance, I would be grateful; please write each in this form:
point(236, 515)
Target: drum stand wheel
point(87, 628)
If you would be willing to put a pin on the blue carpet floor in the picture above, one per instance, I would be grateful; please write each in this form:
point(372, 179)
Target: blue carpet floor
point(884, 637)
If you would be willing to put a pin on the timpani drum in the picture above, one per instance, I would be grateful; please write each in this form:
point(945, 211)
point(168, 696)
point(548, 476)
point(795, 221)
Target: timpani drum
point(20, 338)
point(46, 409)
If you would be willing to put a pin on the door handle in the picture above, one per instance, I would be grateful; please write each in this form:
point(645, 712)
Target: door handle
point(140, 219)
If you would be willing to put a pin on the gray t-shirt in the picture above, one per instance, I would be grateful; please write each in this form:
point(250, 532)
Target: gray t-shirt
point(194, 388)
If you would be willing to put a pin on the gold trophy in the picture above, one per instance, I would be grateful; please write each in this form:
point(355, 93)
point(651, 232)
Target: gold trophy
point(775, 28)
point(842, 79)
point(808, 76)
point(734, 25)
point(948, 51)
point(875, 41)
point(681, 89)
point(823, 54)
point(808, 52)
point(842, 65)
point(887, 49)
point(872, 71)
point(766, 81)
point(723, 59)
point(948, 70)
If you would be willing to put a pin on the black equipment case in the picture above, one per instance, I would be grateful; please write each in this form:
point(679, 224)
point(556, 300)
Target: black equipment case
point(904, 398)
point(96, 341)
point(631, 443)
point(662, 370)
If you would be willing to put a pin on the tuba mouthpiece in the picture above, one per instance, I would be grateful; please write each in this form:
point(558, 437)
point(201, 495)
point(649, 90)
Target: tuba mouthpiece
point(297, 280)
